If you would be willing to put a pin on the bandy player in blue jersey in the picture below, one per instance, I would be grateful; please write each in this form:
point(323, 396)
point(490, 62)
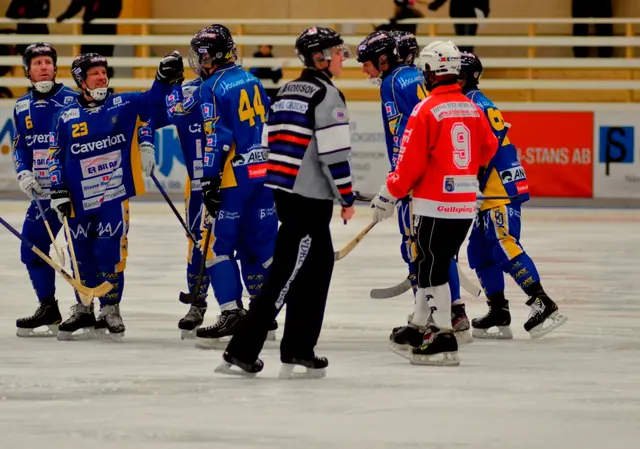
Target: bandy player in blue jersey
point(494, 246)
point(33, 114)
point(388, 60)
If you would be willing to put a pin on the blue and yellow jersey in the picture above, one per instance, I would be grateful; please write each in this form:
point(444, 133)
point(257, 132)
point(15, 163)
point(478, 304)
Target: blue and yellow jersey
point(94, 150)
point(400, 92)
point(234, 106)
point(182, 109)
point(504, 175)
point(32, 116)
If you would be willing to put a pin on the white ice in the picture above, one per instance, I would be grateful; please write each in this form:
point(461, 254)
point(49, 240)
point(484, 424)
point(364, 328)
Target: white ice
point(577, 388)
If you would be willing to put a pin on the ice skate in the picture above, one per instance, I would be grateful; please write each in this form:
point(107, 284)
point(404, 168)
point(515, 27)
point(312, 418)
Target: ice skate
point(81, 319)
point(460, 324)
point(499, 317)
point(406, 338)
point(190, 323)
point(543, 309)
point(316, 368)
point(246, 369)
point(47, 314)
point(216, 336)
point(442, 351)
point(109, 324)
point(271, 335)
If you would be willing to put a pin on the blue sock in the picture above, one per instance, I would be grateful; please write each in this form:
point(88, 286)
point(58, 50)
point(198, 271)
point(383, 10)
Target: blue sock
point(491, 279)
point(43, 280)
point(193, 270)
point(115, 295)
point(226, 283)
point(523, 271)
point(454, 281)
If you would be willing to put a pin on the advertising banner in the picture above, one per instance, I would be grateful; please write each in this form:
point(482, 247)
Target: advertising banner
point(556, 151)
point(617, 169)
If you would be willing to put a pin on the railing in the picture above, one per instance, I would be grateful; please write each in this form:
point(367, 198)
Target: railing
point(531, 41)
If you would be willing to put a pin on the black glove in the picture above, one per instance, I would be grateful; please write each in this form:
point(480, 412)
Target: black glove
point(61, 17)
point(171, 69)
point(61, 203)
point(211, 195)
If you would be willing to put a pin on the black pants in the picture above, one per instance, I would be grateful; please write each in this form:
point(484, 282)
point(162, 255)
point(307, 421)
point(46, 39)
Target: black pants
point(592, 8)
point(300, 276)
point(437, 241)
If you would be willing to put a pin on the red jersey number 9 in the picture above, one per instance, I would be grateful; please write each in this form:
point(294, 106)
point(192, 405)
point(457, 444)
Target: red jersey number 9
point(460, 140)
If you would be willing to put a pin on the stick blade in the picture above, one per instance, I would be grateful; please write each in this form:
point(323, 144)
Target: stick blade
point(186, 298)
point(391, 292)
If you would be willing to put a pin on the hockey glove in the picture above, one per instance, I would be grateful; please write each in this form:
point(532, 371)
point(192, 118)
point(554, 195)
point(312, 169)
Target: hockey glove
point(61, 203)
point(171, 69)
point(28, 183)
point(383, 204)
point(211, 195)
point(147, 157)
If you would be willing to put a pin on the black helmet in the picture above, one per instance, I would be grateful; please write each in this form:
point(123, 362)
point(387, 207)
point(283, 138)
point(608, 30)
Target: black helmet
point(470, 70)
point(212, 44)
point(38, 49)
point(407, 46)
point(377, 45)
point(318, 40)
point(83, 63)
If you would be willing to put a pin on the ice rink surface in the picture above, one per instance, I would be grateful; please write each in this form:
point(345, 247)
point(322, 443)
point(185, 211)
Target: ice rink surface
point(577, 388)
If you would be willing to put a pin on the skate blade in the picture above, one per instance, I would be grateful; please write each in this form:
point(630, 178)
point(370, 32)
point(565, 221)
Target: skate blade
point(84, 334)
point(52, 331)
point(232, 370)
point(441, 359)
point(463, 337)
point(271, 336)
point(287, 372)
point(211, 343)
point(503, 333)
point(557, 320)
point(104, 335)
point(188, 335)
point(403, 351)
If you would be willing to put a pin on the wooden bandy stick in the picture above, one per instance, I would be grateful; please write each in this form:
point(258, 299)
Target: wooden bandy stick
point(341, 254)
point(59, 251)
point(98, 291)
point(86, 300)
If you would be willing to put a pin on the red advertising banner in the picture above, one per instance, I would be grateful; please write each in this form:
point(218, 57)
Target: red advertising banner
point(556, 150)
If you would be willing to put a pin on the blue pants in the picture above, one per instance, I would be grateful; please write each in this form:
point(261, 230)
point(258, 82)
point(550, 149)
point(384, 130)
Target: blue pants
point(42, 275)
point(408, 249)
point(246, 228)
point(494, 248)
point(101, 247)
point(193, 214)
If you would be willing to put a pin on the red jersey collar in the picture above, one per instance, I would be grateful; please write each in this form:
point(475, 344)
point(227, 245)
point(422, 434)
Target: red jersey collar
point(446, 89)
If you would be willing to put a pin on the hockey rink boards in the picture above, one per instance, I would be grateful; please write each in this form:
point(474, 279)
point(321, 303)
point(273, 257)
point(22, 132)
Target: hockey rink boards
point(576, 388)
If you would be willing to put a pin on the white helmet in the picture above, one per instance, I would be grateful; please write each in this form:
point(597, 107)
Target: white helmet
point(443, 58)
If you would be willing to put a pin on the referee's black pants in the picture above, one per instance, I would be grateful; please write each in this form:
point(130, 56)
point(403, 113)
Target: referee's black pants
point(300, 276)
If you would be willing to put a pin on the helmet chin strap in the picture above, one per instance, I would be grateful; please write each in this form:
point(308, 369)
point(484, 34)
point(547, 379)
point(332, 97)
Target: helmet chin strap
point(43, 87)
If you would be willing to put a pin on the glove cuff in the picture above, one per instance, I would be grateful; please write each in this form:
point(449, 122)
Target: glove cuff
point(57, 194)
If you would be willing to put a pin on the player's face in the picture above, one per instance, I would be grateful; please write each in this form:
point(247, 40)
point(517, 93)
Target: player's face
point(370, 69)
point(96, 77)
point(337, 57)
point(42, 69)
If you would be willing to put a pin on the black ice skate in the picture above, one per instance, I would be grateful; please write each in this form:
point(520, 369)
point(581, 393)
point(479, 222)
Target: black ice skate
point(47, 314)
point(316, 367)
point(498, 316)
point(210, 337)
point(442, 351)
point(460, 324)
point(247, 369)
point(81, 319)
point(109, 323)
point(542, 309)
point(190, 323)
point(406, 338)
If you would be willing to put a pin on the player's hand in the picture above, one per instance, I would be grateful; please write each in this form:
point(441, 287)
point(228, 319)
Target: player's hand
point(171, 69)
point(61, 203)
point(383, 204)
point(347, 213)
point(147, 157)
point(211, 195)
point(28, 183)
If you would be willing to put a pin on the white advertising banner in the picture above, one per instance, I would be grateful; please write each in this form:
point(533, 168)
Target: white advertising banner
point(369, 158)
point(617, 160)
